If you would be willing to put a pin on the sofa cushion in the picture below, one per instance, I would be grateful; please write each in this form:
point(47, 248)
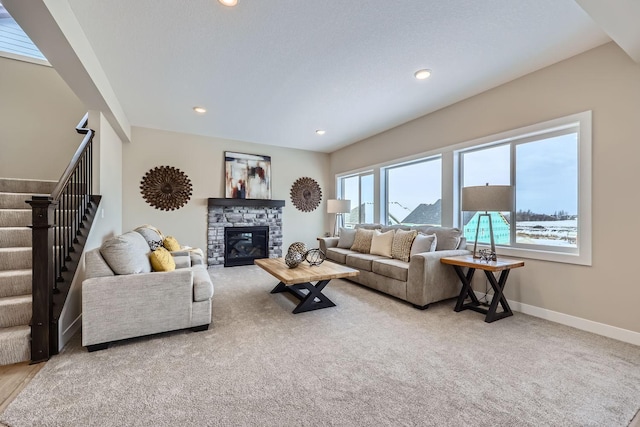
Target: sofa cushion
point(362, 261)
point(448, 238)
point(171, 243)
point(162, 260)
point(347, 236)
point(362, 241)
point(152, 235)
point(127, 253)
point(401, 246)
point(392, 268)
point(369, 226)
point(424, 243)
point(202, 286)
point(381, 243)
point(394, 227)
point(338, 255)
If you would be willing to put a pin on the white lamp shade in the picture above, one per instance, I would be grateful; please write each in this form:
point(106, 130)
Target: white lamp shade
point(338, 206)
point(496, 198)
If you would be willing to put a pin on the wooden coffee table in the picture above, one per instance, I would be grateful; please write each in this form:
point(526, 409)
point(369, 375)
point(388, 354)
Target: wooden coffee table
point(298, 280)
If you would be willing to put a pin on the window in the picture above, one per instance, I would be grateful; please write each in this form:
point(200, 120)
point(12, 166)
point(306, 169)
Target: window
point(550, 219)
point(548, 164)
point(414, 192)
point(358, 189)
point(14, 43)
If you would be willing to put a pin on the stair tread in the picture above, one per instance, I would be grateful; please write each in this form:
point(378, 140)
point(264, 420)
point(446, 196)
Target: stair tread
point(15, 330)
point(16, 299)
point(18, 272)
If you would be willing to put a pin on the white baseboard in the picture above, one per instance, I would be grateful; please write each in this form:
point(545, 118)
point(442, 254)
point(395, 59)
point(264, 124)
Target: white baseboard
point(66, 335)
point(573, 321)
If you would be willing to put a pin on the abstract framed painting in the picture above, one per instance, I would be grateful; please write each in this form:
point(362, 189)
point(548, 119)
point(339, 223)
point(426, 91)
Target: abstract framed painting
point(247, 176)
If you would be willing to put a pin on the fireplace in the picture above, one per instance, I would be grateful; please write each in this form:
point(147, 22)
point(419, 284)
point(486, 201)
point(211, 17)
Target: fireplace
point(242, 213)
point(244, 244)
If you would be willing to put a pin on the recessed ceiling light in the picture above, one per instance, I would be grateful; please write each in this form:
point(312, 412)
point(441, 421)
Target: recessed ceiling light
point(320, 132)
point(229, 2)
point(200, 110)
point(422, 74)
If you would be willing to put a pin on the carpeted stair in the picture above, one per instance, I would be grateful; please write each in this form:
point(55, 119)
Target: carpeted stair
point(15, 266)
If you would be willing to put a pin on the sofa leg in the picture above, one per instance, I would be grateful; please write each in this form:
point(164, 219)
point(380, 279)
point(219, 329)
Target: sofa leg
point(421, 307)
point(200, 328)
point(97, 347)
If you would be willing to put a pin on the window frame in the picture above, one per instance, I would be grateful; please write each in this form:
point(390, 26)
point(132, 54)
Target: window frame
point(451, 215)
point(581, 122)
point(384, 173)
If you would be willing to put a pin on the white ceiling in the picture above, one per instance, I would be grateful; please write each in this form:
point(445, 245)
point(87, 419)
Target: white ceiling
point(272, 72)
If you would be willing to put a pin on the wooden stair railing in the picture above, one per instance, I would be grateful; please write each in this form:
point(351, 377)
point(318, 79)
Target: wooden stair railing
point(60, 224)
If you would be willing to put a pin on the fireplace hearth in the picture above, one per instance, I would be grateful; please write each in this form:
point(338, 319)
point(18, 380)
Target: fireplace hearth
point(244, 244)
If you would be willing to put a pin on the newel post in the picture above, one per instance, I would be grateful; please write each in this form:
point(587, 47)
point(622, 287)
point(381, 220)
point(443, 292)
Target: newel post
point(42, 209)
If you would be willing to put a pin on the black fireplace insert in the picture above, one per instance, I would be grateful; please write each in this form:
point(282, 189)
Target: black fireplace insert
point(244, 244)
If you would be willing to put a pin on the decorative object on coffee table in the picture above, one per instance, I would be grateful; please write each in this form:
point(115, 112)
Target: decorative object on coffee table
point(306, 194)
point(314, 257)
point(295, 254)
point(166, 188)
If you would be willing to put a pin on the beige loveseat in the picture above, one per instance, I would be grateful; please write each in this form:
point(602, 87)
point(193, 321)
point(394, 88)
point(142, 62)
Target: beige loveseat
point(421, 279)
point(123, 298)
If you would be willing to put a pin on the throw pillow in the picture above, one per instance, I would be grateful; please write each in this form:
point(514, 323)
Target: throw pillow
point(127, 253)
point(151, 234)
point(171, 244)
point(347, 236)
point(448, 238)
point(161, 260)
point(423, 243)
point(381, 243)
point(401, 246)
point(362, 241)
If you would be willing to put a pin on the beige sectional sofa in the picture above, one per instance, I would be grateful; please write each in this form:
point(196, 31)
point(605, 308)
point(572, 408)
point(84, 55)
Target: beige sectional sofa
point(123, 296)
point(420, 280)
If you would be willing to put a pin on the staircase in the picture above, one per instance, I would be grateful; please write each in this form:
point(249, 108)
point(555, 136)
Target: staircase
point(15, 266)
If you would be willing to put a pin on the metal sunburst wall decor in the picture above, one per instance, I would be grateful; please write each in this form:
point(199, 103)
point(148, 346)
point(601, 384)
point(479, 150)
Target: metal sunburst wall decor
point(166, 188)
point(306, 194)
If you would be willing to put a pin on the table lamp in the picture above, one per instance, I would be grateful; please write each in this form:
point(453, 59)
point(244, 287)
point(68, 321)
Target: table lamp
point(494, 198)
point(338, 207)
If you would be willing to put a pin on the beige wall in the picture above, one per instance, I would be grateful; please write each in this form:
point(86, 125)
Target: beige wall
point(604, 80)
point(202, 160)
point(38, 115)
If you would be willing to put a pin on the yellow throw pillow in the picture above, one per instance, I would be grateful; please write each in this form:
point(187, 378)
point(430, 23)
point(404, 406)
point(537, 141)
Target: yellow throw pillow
point(171, 244)
point(161, 260)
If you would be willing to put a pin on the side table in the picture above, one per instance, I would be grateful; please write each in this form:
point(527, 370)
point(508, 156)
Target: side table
point(504, 265)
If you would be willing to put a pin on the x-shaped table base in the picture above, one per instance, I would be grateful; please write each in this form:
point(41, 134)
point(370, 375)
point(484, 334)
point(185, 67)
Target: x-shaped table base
point(313, 299)
point(498, 296)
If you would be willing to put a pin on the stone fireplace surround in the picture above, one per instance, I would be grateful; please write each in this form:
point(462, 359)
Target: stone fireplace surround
point(242, 213)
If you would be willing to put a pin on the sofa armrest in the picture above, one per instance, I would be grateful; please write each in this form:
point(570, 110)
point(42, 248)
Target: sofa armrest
point(126, 306)
point(429, 280)
point(328, 242)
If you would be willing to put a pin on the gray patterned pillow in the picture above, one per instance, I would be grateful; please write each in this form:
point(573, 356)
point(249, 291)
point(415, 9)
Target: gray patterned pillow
point(362, 241)
point(402, 241)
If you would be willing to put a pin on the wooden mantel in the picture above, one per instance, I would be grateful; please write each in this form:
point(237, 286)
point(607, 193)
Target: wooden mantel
point(247, 202)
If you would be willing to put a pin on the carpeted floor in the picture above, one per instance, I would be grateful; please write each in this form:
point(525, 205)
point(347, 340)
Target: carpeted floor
point(370, 361)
